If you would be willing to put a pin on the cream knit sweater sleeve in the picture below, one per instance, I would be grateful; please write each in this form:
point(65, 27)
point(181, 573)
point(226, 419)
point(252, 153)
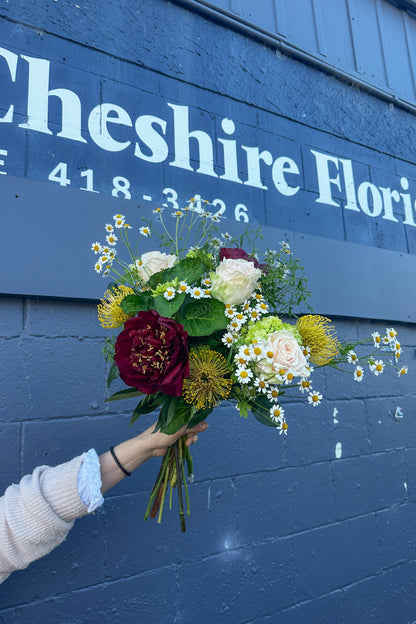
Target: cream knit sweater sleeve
point(37, 514)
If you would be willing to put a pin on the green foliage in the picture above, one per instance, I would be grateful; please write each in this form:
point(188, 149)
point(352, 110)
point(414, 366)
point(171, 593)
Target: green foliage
point(202, 317)
point(131, 304)
point(164, 307)
point(261, 410)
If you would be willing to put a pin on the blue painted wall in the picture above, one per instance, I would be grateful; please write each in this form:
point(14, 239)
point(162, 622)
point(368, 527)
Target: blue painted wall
point(281, 530)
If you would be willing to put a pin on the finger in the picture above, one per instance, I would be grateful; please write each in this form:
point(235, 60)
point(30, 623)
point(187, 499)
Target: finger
point(191, 440)
point(199, 428)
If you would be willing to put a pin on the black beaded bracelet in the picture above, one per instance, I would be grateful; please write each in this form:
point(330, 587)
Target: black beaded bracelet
point(126, 472)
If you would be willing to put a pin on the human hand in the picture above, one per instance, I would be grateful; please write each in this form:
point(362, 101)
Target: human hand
point(160, 442)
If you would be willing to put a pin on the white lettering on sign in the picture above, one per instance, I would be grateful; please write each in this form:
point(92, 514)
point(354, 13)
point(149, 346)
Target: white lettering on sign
point(213, 151)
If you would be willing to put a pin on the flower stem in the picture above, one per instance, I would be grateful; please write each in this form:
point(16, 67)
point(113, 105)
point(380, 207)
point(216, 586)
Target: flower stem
point(179, 485)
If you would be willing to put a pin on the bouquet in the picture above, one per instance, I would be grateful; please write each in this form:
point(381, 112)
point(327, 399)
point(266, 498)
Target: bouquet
point(212, 322)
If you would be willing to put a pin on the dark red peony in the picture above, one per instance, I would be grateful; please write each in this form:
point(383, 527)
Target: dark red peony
point(235, 253)
point(152, 354)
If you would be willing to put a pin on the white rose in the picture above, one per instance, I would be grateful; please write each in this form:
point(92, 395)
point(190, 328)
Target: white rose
point(153, 262)
point(287, 356)
point(234, 281)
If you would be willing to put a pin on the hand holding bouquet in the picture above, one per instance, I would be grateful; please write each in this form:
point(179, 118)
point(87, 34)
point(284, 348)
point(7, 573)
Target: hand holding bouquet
point(204, 324)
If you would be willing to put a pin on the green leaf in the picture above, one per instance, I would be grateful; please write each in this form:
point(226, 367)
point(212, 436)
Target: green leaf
point(260, 410)
point(113, 374)
point(148, 404)
point(168, 308)
point(188, 270)
point(199, 416)
point(131, 304)
point(177, 416)
point(204, 316)
point(127, 393)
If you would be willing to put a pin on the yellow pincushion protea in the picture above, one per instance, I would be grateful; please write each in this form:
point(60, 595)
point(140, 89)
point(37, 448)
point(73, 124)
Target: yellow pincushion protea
point(319, 335)
point(110, 314)
point(206, 385)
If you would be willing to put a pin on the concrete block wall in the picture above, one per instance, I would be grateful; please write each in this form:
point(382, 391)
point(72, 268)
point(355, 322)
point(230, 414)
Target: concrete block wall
point(281, 529)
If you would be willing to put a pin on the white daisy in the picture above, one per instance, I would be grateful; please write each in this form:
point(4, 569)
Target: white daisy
point(377, 339)
point(277, 412)
point(304, 385)
point(282, 428)
point(261, 385)
point(169, 294)
point(96, 248)
point(228, 339)
point(376, 367)
point(183, 287)
point(145, 231)
point(358, 373)
point(352, 357)
point(402, 371)
point(391, 333)
point(314, 398)
point(109, 228)
point(98, 267)
point(196, 293)
point(273, 393)
point(243, 374)
point(111, 239)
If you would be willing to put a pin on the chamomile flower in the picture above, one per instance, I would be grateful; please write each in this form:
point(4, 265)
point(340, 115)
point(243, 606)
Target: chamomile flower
point(98, 267)
point(376, 366)
point(257, 352)
point(226, 236)
point(105, 250)
point(304, 385)
point(391, 333)
point(169, 294)
point(229, 312)
point(397, 348)
point(183, 287)
point(261, 385)
point(228, 339)
point(273, 393)
point(158, 210)
point(96, 248)
point(358, 373)
point(111, 239)
point(306, 351)
point(119, 220)
point(282, 427)
point(402, 371)
point(196, 293)
point(377, 339)
point(109, 228)
point(288, 377)
point(145, 231)
point(243, 374)
point(277, 412)
point(246, 351)
point(314, 398)
point(177, 213)
point(112, 254)
point(352, 357)
point(262, 308)
point(253, 314)
point(234, 325)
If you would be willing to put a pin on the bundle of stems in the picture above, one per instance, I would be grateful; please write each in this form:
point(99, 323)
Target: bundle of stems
point(172, 474)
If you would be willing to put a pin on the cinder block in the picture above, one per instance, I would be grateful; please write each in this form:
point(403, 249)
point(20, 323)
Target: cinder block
point(127, 600)
point(396, 530)
point(211, 528)
point(63, 318)
point(368, 483)
point(11, 317)
point(78, 562)
point(331, 557)
point(264, 570)
point(10, 445)
point(386, 598)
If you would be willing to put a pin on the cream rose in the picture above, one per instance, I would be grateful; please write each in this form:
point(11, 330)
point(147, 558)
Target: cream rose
point(285, 355)
point(152, 262)
point(234, 281)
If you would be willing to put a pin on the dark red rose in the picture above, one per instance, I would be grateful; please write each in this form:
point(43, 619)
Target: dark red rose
point(152, 354)
point(235, 253)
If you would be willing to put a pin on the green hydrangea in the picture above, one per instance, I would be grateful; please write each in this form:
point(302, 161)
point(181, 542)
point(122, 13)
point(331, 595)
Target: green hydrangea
point(259, 330)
